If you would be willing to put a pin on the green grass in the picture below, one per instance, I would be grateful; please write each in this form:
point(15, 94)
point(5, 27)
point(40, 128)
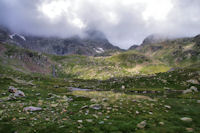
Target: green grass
point(113, 86)
point(151, 69)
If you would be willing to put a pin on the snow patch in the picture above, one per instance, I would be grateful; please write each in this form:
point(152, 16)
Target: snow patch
point(22, 37)
point(99, 50)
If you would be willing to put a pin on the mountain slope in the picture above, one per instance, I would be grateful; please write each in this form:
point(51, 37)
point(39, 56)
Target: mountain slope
point(176, 53)
point(94, 43)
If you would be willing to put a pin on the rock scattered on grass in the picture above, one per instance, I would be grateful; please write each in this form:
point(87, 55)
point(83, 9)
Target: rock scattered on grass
point(186, 119)
point(85, 107)
point(80, 121)
point(189, 130)
point(12, 89)
point(142, 124)
point(137, 112)
point(89, 120)
point(167, 106)
point(95, 106)
point(193, 81)
point(161, 123)
point(192, 89)
point(17, 93)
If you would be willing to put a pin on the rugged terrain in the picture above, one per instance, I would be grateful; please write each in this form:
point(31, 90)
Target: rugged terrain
point(93, 43)
point(150, 88)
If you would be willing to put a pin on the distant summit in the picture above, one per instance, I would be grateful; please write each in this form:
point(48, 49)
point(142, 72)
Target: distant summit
point(155, 38)
point(133, 47)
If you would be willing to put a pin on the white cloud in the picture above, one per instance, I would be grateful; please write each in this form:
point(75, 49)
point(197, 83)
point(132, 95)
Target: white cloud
point(125, 22)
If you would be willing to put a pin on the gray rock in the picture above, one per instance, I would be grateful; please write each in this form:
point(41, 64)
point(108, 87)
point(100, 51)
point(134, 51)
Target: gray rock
point(167, 106)
point(95, 106)
point(142, 124)
point(85, 107)
point(193, 81)
point(31, 108)
point(189, 130)
point(12, 89)
point(161, 123)
point(19, 94)
point(192, 89)
point(186, 119)
point(187, 91)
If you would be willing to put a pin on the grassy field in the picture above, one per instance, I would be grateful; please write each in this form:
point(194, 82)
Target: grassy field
point(129, 92)
point(118, 109)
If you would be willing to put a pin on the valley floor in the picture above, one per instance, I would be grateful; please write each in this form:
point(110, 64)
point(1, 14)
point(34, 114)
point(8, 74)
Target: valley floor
point(152, 104)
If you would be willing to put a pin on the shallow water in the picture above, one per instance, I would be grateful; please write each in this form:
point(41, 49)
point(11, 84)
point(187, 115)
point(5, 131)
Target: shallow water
point(78, 89)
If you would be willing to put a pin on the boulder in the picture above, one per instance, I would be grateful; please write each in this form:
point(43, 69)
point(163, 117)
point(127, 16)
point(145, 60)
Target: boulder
point(12, 89)
point(142, 124)
point(95, 106)
point(192, 89)
point(19, 94)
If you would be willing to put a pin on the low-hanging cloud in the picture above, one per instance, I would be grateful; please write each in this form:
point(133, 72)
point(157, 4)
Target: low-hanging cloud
point(124, 22)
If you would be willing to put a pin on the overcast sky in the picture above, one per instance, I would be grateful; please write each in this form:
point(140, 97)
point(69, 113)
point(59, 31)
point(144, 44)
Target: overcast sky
point(124, 22)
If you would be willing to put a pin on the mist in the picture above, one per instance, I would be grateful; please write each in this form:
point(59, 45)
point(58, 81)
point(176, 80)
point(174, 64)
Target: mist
point(124, 23)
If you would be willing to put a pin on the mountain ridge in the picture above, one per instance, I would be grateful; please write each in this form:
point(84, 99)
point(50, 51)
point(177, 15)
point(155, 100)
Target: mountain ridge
point(93, 44)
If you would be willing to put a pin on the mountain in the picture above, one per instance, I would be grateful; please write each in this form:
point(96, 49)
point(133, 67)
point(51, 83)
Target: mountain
point(133, 47)
point(155, 38)
point(94, 43)
point(178, 52)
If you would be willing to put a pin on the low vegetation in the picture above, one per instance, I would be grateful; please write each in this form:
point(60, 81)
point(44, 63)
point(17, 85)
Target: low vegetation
point(123, 93)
